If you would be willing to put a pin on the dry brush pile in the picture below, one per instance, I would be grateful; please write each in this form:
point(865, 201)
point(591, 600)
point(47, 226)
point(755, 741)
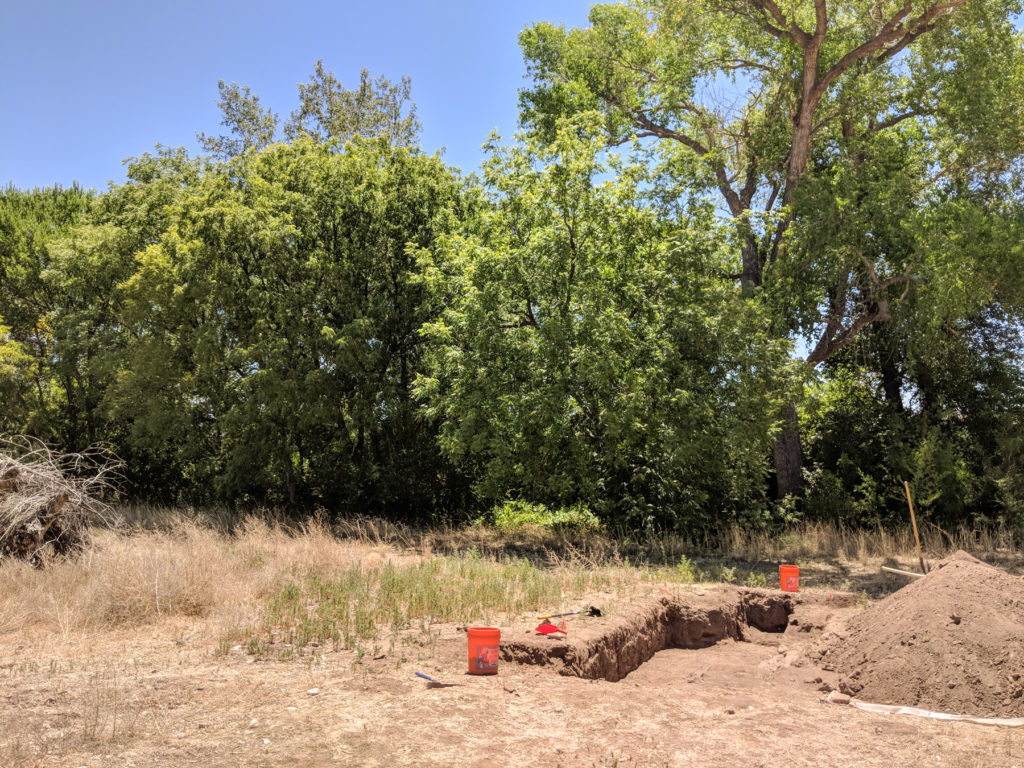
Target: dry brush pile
point(49, 499)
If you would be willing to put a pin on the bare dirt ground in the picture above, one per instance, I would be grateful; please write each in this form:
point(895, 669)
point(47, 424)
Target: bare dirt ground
point(167, 695)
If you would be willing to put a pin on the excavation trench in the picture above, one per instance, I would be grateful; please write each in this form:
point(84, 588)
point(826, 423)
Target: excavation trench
point(612, 647)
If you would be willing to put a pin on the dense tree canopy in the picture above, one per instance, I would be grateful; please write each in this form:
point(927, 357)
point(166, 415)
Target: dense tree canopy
point(583, 354)
point(274, 326)
point(837, 137)
point(738, 249)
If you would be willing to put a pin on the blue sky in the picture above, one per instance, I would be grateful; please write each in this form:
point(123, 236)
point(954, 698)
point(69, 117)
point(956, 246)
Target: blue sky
point(89, 83)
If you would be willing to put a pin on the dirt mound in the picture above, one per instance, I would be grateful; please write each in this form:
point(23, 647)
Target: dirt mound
point(952, 641)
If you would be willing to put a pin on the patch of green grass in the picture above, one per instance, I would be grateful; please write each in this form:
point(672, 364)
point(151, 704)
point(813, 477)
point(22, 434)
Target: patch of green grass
point(353, 607)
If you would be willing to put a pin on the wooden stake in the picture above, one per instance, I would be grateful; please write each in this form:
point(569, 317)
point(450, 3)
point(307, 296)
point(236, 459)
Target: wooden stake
point(913, 522)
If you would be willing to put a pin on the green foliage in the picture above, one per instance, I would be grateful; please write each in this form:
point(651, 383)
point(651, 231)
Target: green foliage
point(584, 355)
point(251, 126)
point(755, 579)
point(274, 329)
point(854, 442)
point(327, 110)
point(512, 515)
point(860, 150)
point(52, 359)
point(956, 439)
point(15, 366)
point(606, 339)
point(685, 570)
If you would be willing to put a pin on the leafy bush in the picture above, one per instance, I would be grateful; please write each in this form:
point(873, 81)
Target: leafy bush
point(512, 515)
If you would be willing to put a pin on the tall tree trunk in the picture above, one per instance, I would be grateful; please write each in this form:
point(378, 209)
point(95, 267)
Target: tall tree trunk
point(892, 381)
point(788, 456)
point(753, 265)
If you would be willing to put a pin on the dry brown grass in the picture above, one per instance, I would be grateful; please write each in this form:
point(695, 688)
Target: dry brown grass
point(112, 650)
point(135, 577)
point(175, 565)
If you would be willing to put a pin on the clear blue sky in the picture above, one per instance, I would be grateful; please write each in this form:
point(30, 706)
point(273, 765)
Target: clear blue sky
point(88, 83)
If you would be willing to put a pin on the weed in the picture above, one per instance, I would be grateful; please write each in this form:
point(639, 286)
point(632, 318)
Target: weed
point(685, 571)
point(109, 711)
point(863, 602)
point(755, 579)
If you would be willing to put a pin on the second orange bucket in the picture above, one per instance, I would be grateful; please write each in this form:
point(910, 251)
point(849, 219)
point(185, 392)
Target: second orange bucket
point(484, 646)
point(789, 578)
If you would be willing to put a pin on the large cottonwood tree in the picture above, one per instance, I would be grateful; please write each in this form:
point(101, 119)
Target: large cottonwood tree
point(829, 131)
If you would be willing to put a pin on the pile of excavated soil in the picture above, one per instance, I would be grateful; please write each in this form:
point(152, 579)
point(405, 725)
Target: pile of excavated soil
point(952, 641)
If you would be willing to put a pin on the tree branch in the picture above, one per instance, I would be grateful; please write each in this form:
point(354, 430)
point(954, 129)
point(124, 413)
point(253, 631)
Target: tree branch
point(897, 31)
point(895, 120)
point(653, 129)
point(834, 337)
point(783, 26)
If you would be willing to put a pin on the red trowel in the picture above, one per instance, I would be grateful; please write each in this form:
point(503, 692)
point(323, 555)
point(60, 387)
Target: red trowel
point(547, 628)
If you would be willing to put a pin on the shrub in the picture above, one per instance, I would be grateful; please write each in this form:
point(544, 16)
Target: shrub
point(513, 514)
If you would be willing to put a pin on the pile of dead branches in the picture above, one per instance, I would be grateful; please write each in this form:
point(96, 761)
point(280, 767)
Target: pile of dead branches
point(48, 499)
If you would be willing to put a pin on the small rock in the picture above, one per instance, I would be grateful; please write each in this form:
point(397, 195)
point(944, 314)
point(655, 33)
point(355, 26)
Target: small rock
point(837, 698)
point(253, 723)
point(952, 686)
point(954, 618)
point(312, 691)
point(730, 711)
point(782, 650)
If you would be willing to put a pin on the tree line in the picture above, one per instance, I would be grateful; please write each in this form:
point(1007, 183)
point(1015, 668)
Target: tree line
point(744, 262)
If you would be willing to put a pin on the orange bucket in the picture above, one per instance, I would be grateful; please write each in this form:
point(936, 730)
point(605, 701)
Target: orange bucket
point(789, 578)
point(484, 644)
